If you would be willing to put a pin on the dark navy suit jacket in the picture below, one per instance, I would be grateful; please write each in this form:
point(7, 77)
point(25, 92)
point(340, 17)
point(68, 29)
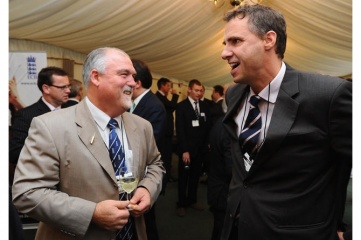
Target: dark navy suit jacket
point(21, 125)
point(152, 109)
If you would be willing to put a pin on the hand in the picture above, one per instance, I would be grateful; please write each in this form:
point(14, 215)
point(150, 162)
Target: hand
point(173, 91)
point(14, 95)
point(140, 202)
point(111, 215)
point(340, 235)
point(186, 158)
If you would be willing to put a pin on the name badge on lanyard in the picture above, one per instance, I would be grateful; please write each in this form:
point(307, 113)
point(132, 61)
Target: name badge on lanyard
point(195, 123)
point(247, 161)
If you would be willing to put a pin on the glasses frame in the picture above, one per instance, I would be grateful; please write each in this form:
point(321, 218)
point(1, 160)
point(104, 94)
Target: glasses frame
point(61, 87)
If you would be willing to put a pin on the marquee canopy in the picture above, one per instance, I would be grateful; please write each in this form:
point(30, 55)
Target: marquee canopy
point(182, 39)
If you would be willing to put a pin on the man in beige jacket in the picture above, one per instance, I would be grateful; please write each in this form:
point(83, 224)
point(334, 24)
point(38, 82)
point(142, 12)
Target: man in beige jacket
point(65, 178)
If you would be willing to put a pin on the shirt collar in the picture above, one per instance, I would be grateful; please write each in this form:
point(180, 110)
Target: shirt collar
point(137, 100)
point(100, 117)
point(52, 108)
point(271, 92)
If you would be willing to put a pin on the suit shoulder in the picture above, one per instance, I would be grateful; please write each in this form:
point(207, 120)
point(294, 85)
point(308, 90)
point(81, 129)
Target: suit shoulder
point(135, 118)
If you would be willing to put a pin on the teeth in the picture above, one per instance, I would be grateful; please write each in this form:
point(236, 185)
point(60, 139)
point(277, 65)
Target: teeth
point(233, 65)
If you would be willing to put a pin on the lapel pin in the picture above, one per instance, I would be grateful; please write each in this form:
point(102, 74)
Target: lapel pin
point(92, 139)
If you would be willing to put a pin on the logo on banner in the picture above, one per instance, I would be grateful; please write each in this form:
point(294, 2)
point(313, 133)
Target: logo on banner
point(31, 67)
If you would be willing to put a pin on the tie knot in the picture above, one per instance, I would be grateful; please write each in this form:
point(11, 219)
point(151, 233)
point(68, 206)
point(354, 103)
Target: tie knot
point(255, 100)
point(112, 123)
point(195, 102)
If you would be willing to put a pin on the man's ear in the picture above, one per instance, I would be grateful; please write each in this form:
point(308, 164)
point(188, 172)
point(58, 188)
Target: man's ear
point(94, 77)
point(270, 40)
point(45, 89)
point(138, 84)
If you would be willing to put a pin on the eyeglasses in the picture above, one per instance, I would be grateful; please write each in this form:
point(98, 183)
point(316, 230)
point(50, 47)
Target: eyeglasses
point(61, 87)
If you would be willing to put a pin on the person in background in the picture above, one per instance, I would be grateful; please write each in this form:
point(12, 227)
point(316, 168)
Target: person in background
point(164, 88)
point(149, 107)
point(290, 174)
point(65, 176)
point(53, 82)
point(205, 154)
point(192, 128)
point(217, 98)
point(219, 176)
point(76, 93)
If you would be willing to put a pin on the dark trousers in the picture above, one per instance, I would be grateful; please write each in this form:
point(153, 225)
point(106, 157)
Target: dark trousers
point(15, 225)
point(218, 220)
point(167, 158)
point(151, 225)
point(188, 181)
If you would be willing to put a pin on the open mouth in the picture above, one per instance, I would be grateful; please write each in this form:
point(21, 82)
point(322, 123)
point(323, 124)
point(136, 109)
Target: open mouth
point(234, 65)
point(127, 92)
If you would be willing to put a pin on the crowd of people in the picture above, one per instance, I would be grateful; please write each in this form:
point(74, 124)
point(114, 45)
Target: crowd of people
point(275, 148)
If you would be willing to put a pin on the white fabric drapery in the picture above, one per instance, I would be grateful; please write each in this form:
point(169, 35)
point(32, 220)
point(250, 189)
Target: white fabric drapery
point(179, 39)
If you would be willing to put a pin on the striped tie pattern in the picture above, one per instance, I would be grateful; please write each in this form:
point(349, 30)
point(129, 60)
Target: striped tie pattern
point(117, 157)
point(196, 109)
point(248, 137)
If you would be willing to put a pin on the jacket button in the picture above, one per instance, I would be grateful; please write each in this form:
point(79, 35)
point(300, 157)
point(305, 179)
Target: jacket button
point(245, 184)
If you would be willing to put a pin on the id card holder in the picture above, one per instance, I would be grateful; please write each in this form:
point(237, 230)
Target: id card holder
point(195, 123)
point(203, 115)
point(247, 161)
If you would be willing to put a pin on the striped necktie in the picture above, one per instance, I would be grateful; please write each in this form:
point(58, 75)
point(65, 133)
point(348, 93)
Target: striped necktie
point(248, 137)
point(117, 156)
point(196, 109)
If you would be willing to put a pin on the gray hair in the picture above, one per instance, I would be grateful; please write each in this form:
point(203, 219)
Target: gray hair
point(96, 59)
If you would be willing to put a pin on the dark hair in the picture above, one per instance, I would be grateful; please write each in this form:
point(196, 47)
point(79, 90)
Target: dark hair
point(76, 86)
point(143, 73)
point(218, 89)
point(162, 81)
point(261, 20)
point(194, 82)
point(45, 75)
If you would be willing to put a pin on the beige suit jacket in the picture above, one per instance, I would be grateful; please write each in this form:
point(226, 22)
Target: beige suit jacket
point(62, 173)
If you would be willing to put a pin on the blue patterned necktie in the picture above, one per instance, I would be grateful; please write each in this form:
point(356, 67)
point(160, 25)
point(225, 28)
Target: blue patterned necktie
point(117, 157)
point(248, 137)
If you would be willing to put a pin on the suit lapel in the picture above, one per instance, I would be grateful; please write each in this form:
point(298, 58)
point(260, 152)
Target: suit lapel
point(140, 106)
point(90, 136)
point(237, 94)
point(133, 136)
point(283, 117)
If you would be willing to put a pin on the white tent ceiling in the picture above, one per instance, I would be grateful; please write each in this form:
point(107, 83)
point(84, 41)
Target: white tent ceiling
point(182, 39)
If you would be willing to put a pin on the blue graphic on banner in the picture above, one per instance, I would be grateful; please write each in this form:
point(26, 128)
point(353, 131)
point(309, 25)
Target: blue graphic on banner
point(31, 67)
point(24, 67)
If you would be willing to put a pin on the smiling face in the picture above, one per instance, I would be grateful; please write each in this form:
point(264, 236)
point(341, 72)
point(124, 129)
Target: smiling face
point(244, 50)
point(111, 90)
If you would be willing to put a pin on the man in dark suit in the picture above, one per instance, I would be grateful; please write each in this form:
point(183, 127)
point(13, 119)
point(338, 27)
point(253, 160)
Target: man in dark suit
point(53, 82)
point(215, 112)
point(219, 176)
point(192, 134)
point(75, 95)
point(292, 184)
point(164, 87)
point(148, 106)
point(217, 98)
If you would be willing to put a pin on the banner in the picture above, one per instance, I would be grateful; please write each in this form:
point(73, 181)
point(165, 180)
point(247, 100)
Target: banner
point(23, 75)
